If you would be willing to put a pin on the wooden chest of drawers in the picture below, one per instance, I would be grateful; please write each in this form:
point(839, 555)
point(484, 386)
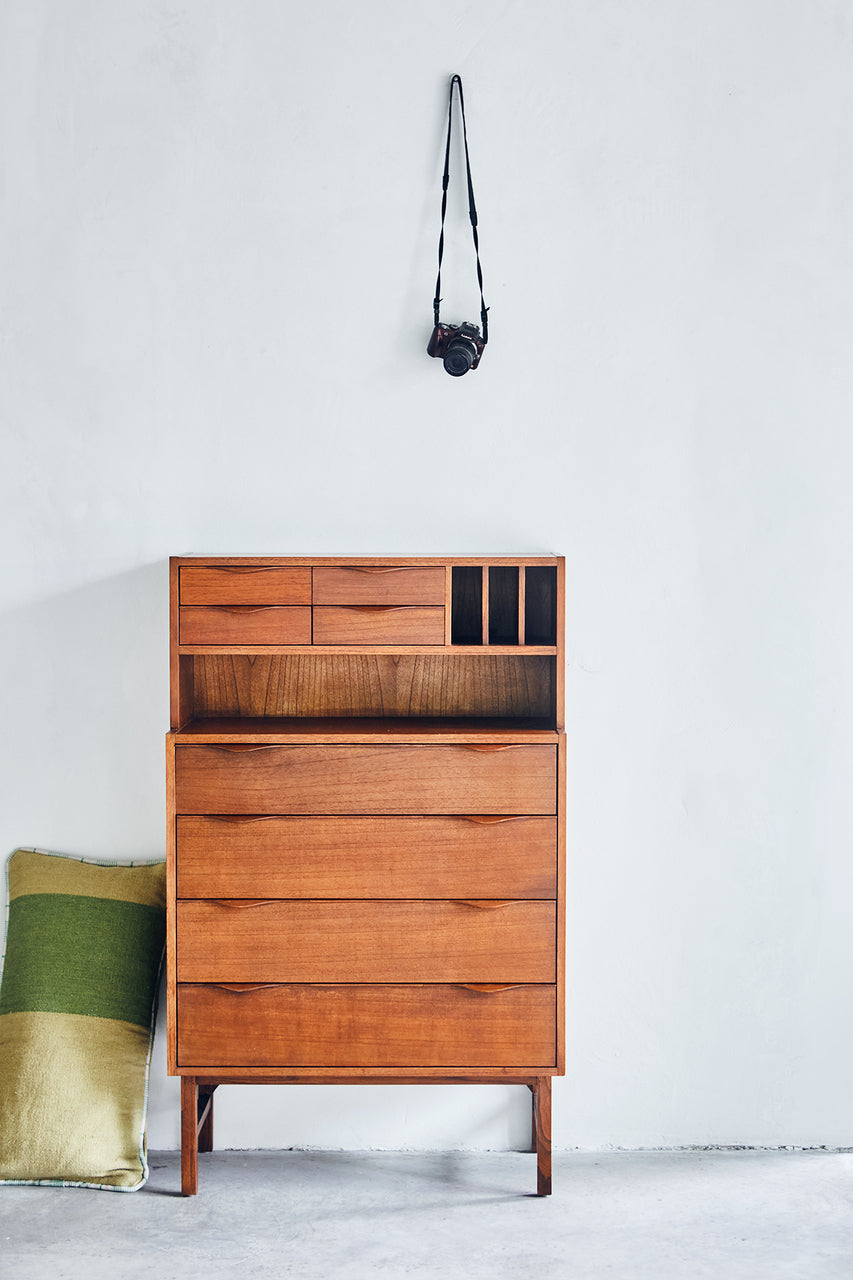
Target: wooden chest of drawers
point(365, 827)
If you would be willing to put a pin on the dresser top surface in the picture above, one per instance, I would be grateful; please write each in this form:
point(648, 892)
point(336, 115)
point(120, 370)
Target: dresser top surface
point(367, 561)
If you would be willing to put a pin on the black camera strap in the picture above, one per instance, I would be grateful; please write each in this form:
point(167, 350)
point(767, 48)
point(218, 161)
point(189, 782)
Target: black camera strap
point(472, 210)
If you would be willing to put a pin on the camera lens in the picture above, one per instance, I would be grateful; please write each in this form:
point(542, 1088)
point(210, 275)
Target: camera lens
point(459, 357)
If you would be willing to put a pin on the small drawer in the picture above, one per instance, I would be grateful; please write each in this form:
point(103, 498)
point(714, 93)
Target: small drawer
point(379, 586)
point(403, 857)
point(245, 584)
point(382, 624)
point(481, 940)
point(353, 1025)
point(245, 624)
point(353, 779)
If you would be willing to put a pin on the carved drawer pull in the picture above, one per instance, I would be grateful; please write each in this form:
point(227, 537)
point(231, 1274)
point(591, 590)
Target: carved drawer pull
point(243, 568)
point(397, 568)
point(239, 904)
point(489, 988)
point(377, 608)
point(489, 746)
point(237, 748)
point(242, 608)
point(487, 904)
point(237, 819)
point(489, 819)
point(243, 988)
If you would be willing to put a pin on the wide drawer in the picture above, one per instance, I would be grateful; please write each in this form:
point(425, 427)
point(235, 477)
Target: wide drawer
point(399, 778)
point(245, 624)
point(246, 940)
point(382, 624)
point(367, 1026)
point(358, 857)
point(245, 584)
point(377, 586)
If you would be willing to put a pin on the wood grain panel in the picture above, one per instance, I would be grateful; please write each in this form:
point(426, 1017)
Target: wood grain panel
point(373, 685)
point(245, 584)
point(377, 586)
point(244, 940)
point(372, 1026)
point(394, 624)
point(385, 779)
point(245, 624)
point(402, 857)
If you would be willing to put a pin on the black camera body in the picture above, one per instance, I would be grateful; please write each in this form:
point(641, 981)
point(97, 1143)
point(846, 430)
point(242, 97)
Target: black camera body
point(458, 345)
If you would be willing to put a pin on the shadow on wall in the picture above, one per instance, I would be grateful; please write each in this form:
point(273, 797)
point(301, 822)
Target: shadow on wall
point(87, 697)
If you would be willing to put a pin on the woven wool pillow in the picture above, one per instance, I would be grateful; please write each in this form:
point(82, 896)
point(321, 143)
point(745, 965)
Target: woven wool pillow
point(84, 946)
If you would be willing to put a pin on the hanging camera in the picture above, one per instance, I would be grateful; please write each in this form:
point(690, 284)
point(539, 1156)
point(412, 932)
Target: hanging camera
point(460, 346)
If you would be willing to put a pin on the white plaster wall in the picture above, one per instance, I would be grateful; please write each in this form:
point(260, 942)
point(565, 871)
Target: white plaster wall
point(219, 227)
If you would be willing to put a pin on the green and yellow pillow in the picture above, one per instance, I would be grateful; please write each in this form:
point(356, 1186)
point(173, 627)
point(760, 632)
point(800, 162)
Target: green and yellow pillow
point(84, 946)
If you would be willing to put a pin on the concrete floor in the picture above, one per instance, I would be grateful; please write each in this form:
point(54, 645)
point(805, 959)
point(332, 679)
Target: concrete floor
point(725, 1215)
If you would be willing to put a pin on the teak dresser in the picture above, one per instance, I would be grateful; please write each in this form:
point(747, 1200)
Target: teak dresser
point(365, 776)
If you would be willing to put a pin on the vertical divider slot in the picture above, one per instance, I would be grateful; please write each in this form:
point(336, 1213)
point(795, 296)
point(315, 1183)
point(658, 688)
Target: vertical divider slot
point(466, 605)
point(540, 605)
point(503, 604)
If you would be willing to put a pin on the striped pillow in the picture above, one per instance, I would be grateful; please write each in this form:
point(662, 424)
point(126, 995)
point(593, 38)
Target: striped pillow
point(84, 945)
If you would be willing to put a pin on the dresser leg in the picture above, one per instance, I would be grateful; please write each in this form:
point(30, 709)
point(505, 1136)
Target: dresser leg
point(189, 1136)
point(542, 1132)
